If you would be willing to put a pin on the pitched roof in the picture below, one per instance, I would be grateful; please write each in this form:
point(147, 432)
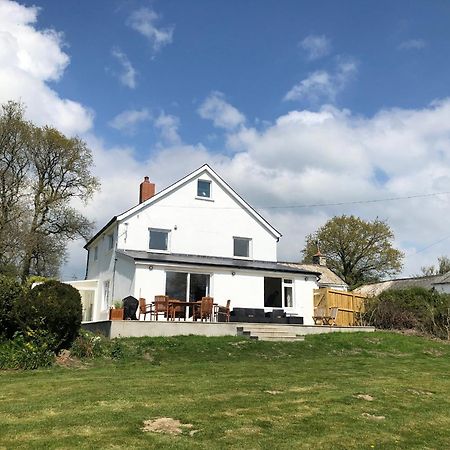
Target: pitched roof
point(165, 192)
point(426, 282)
point(214, 261)
point(327, 276)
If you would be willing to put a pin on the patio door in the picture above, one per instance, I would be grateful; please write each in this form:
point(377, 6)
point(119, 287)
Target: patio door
point(188, 287)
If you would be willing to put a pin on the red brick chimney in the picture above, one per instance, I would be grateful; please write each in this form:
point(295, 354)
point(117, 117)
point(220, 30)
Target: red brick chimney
point(146, 190)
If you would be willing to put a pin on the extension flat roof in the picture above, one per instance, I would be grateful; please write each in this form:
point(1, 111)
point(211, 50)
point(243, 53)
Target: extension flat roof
point(214, 261)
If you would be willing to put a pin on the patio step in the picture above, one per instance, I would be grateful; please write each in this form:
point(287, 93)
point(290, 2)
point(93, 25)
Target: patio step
point(268, 333)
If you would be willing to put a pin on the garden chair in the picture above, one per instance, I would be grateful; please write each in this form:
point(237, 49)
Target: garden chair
point(161, 306)
point(321, 315)
point(144, 309)
point(204, 310)
point(223, 312)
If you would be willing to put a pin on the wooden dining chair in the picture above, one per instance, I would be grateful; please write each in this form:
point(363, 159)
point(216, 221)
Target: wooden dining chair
point(160, 306)
point(223, 312)
point(204, 309)
point(144, 309)
point(176, 310)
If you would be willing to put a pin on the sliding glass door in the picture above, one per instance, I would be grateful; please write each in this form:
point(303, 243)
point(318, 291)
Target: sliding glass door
point(187, 287)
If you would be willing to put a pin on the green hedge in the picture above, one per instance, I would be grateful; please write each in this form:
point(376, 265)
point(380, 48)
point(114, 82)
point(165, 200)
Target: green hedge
point(414, 308)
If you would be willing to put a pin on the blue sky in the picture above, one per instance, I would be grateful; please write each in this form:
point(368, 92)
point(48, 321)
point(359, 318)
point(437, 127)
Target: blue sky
point(294, 103)
point(251, 52)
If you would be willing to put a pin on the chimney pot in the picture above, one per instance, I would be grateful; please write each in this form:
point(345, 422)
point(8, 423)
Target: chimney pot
point(146, 190)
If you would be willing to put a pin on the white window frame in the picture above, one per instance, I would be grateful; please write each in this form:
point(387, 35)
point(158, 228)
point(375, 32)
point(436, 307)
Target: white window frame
point(159, 230)
point(110, 244)
point(199, 197)
point(106, 294)
point(287, 282)
point(250, 247)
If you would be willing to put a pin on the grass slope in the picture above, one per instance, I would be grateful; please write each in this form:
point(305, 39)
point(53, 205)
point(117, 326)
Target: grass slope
point(239, 394)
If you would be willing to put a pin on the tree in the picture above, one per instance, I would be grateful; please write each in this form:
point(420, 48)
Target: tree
point(14, 166)
point(358, 251)
point(442, 267)
point(42, 174)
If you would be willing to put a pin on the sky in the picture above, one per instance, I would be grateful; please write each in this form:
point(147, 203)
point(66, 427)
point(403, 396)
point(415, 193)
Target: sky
point(308, 109)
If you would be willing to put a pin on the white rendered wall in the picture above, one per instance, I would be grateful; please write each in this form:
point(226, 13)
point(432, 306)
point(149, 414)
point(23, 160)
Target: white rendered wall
point(245, 289)
point(198, 226)
point(102, 269)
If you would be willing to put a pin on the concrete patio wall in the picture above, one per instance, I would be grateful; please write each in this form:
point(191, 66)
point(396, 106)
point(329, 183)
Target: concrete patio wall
point(135, 328)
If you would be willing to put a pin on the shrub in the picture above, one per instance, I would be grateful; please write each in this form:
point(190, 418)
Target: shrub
point(412, 308)
point(11, 298)
point(89, 345)
point(53, 307)
point(27, 351)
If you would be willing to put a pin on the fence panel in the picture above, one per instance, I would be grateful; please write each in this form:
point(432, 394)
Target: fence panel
point(350, 305)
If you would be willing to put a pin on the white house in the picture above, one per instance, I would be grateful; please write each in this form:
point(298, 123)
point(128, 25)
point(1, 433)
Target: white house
point(197, 237)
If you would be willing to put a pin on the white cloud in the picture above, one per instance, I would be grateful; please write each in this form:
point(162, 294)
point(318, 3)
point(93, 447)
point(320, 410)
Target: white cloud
point(28, 59)
point(144, 21)
point(324, 86)
point(306, 158)
point(168, 127)
point(316, 46)
point(129, 74)
point(128, 121)
point(412, 44)
point(217, 109)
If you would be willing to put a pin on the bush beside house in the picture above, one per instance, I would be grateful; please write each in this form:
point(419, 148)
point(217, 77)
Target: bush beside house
point(36, 323)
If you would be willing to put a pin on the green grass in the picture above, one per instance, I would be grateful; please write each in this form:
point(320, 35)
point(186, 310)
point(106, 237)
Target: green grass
point(220, 386)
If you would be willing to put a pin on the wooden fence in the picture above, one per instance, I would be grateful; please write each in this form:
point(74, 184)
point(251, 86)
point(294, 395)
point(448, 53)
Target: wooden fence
point(350, 305)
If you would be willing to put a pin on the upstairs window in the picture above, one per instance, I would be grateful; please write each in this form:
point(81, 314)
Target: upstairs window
point(241, 247)
point(96, 253)
point(159, 240)
point(204, 189)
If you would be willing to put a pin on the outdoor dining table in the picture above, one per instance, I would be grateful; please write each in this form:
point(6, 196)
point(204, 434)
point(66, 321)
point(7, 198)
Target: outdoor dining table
point(174, 302)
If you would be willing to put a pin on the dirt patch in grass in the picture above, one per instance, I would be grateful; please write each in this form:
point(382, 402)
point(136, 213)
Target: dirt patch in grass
point(273, 392)
point(434, 352)
point(64, 359)
point(373, 417)
point(420, 392)
point(366, 397)
point(167, 425)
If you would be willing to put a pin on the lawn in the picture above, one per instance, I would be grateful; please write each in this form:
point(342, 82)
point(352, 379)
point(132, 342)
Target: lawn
point(340, 391)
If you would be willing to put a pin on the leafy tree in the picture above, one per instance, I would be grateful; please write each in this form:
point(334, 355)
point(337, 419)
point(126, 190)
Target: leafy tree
point(358, 251)
point(442, 267)
point(42, 174)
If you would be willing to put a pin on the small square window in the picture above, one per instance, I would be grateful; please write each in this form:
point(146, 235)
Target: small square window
point(204, 188)
point(159, 240)
point(241, 247)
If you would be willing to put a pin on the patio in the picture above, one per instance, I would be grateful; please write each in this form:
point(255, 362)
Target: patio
point(138, 328)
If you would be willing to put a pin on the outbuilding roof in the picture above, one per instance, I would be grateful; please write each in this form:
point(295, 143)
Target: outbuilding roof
point(427, 282)
point(327, 276)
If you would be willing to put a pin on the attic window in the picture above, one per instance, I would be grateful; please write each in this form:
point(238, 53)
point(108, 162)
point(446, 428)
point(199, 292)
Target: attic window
point(159, 240)
point(204, 189)
point(241, 247)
